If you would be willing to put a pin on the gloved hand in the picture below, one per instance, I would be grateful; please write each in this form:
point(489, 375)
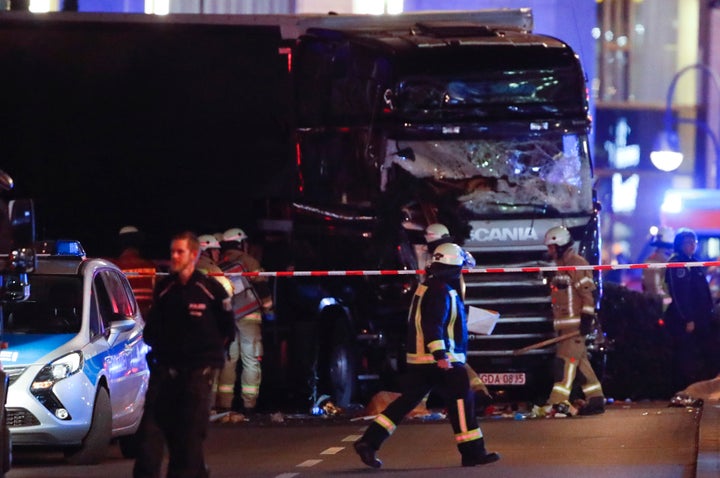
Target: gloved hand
point(586, 322)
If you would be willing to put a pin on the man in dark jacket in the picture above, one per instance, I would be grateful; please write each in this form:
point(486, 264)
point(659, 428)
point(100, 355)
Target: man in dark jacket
point(436, 347)
point(189, 326)
point(689, 316)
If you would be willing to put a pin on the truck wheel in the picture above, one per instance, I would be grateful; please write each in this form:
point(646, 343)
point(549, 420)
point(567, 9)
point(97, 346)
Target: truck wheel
point(341, 370)
point(95, 444)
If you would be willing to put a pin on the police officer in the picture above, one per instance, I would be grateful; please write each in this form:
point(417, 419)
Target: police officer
point(573, 306)
point(188, 327)
point(251, 299)
point(689, 316)
point(437, 342)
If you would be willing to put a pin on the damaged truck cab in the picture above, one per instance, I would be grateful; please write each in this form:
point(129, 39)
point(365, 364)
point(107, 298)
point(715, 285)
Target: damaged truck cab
point(473, 122)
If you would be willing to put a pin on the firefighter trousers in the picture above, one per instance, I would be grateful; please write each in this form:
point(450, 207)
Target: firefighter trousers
point(571, 364)
point(248, 349)
point(453, 386)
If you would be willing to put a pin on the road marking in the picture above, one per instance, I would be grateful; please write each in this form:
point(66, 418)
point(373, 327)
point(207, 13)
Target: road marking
point(308, 463)
point(352, 438)
point(332, 450)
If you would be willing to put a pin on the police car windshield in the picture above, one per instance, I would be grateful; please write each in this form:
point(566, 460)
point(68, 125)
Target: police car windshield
point(54, 307)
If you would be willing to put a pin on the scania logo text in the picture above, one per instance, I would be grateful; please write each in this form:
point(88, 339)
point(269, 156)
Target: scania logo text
point(482, 234)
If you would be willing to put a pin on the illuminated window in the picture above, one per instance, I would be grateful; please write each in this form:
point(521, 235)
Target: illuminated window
point(43, 6)
point(157, 7)
point(377, 7)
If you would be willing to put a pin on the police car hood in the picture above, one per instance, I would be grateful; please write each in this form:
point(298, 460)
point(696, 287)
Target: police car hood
point(28, 349)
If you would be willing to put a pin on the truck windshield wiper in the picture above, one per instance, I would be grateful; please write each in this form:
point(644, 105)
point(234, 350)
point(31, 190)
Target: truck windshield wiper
point(544, 209)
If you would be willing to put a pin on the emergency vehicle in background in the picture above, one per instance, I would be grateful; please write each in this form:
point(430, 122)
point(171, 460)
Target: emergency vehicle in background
point(367, 128)
point(699, 210)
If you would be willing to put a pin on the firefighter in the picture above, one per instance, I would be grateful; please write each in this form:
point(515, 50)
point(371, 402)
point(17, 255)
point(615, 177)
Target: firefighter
point(141, 272)
point(573, 306)
point(689, 316)
point(436, 347)
point(436, 234)
point(251, 300)
point(208, 261)
point(207, 264)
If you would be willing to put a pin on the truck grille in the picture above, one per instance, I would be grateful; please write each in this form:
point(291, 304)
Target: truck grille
point(522, 299)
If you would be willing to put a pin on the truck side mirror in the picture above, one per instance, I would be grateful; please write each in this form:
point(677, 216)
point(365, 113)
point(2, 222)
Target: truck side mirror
point(22, 222)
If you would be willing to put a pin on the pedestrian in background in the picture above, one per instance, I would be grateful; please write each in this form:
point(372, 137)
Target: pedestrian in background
point(688, 318)
point(251, 299)
point(653, 280)
point(436, 348)
point(141, 272)
point(189, 325)
point(573, 306)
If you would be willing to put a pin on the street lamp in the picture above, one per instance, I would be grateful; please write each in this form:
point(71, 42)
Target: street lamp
point(666, 154)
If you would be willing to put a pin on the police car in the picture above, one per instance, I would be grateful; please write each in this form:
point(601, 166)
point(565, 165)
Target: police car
point(75, 356)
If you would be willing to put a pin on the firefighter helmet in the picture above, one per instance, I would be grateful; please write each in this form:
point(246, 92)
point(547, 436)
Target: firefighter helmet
point(208, 241)
point(558, 235)
point(449, 254)
point(436, 232)
point(665, 237)
point(234, 234)
point(128, 230)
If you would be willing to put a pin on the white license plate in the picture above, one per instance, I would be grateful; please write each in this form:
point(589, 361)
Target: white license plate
point(502, 378)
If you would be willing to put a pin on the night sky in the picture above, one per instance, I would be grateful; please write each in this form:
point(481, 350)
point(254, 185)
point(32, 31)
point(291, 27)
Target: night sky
point(163, 126)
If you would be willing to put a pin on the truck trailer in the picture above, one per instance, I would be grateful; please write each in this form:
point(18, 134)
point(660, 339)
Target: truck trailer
point(341, 137)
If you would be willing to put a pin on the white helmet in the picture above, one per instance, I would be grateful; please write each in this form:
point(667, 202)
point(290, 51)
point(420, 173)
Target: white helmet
point(128, 230)
point(664, 238)
point(558, 235)
point(208, 241)
point(448, 253)
point(234, 234)
point(436, 232)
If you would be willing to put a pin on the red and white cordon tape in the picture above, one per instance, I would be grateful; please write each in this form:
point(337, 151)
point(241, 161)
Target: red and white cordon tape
point(475, 270)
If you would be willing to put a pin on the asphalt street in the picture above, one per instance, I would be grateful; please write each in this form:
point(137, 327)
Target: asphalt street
point(632, 440)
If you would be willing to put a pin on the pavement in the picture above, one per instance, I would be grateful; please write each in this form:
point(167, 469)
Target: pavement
point(708, 459)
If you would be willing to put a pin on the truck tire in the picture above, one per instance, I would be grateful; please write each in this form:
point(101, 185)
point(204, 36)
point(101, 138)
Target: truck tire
point(97, 441)
point(341, 373)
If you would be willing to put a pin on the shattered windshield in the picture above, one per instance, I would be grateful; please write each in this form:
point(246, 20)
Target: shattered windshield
point(536, 173)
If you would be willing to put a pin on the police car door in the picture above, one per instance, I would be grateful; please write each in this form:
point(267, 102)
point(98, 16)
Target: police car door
point(124, 360)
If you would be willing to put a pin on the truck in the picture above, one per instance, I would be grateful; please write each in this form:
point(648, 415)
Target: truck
point(475, 123)
point(351, 133)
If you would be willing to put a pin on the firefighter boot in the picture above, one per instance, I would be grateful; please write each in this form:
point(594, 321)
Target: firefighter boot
point(367, 454)
point(478, 455)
